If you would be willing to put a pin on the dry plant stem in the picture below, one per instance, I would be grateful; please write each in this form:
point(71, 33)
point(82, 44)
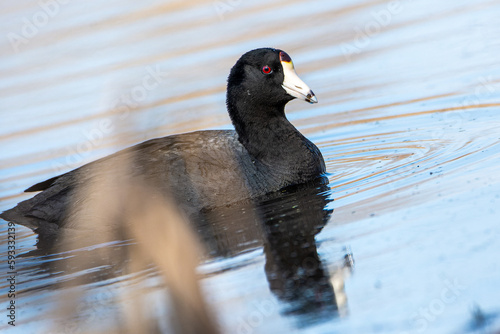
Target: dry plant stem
point(164, 239)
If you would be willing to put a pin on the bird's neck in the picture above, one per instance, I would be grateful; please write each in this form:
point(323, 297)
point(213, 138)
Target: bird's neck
point(271, 139)
point(261, 129)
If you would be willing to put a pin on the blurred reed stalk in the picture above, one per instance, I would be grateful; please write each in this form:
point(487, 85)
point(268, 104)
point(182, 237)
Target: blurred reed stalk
point(162, 237)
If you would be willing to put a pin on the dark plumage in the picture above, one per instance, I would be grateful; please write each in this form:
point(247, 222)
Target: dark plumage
point(204, 169)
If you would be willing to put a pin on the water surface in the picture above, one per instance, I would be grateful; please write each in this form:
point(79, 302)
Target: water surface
point(407, 120)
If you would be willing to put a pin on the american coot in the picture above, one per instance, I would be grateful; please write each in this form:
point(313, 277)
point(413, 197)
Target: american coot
point(204, 169)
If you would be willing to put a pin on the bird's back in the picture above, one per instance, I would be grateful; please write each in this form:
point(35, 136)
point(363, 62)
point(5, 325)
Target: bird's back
point(197, 170)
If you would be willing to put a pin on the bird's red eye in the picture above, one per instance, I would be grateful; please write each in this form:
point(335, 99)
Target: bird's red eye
point(266, 70)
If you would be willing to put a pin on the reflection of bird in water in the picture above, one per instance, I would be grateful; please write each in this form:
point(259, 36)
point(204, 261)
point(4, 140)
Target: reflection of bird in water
point(285, 223)
point(293, 267)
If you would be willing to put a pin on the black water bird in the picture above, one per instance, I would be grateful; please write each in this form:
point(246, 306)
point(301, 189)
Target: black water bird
point(202, 169)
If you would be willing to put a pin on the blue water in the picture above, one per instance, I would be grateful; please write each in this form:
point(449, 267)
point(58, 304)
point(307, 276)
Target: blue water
point(407, 121)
